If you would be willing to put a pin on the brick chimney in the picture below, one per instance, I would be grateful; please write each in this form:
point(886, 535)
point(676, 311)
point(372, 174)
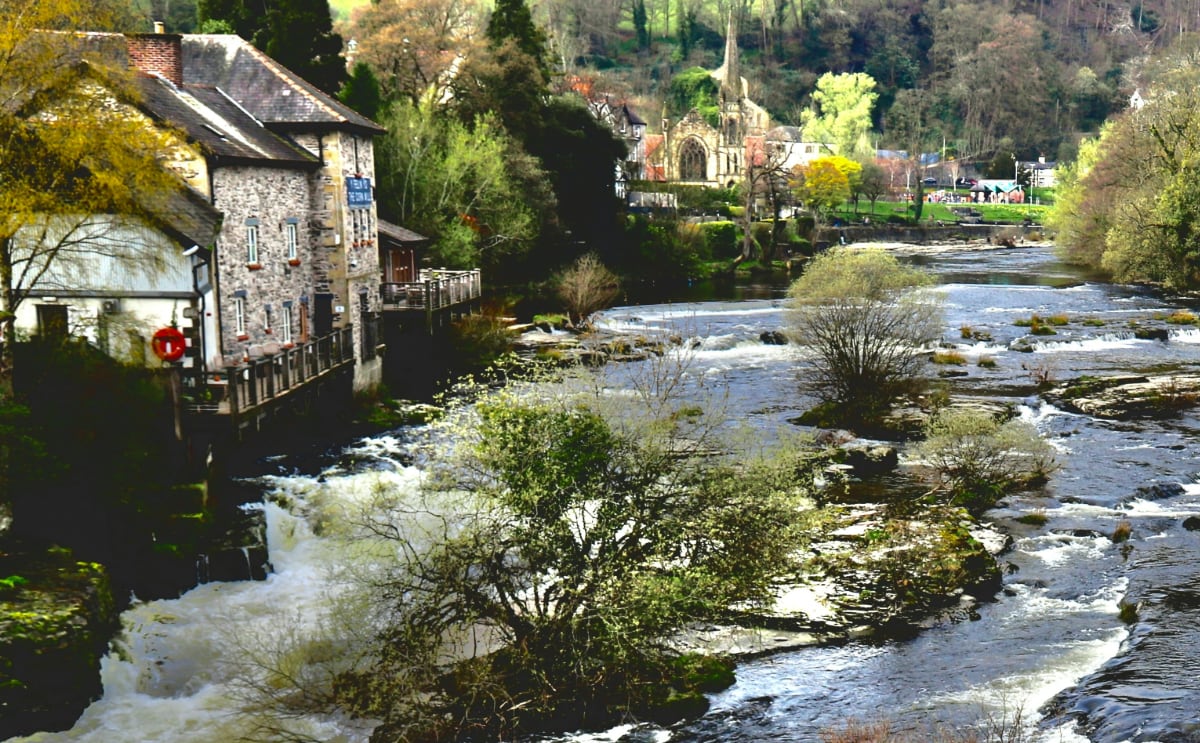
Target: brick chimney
point(157, 53)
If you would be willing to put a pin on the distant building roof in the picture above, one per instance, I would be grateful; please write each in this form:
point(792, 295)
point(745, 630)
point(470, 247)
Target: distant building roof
point(396, 233)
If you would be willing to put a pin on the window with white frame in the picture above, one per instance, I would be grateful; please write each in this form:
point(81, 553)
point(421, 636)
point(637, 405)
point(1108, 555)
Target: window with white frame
point(285, 323)
point(239, 315)
point(291, 234)
point(267, 318)
point(252, 241)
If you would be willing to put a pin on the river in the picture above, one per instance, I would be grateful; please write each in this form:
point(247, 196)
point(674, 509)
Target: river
point(1050, 652)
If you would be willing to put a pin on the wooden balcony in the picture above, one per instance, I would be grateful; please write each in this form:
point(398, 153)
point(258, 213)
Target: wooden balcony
point(435, 289)
point(238, 393)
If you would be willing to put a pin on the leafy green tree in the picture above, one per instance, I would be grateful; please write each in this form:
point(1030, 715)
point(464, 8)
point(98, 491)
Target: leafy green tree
point(1083, 204)
point(977, 458)
point(639, 25)
point(841, 113)
point(578, 540)
point(512, 21)
point(865, 319)
point(453, 183)
point(1130, 201)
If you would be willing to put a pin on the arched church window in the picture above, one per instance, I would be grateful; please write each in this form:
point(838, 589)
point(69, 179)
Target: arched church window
point(693, 161)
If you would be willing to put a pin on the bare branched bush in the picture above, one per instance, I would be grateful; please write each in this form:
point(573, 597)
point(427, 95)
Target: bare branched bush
point(977, 458)
point(587, 287)
point(866, 318)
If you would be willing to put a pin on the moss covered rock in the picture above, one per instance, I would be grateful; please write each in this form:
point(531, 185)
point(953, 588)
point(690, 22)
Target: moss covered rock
point(55, 624)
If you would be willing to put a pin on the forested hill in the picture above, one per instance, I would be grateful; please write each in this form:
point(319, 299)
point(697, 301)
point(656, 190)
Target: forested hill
point(1025, 76)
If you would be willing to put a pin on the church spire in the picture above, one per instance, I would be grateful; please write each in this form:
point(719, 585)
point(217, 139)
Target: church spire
point(730, 74)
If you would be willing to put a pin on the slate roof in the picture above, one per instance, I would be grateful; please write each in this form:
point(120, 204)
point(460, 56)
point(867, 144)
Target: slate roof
point(190, 219)
point(217, 124)
point(268, 91)
point(396, 233)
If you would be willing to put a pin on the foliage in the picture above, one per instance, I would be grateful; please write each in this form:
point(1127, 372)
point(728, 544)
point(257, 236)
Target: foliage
point(453, 183)
point(859, 314)
point(1130, 205)
point(978, 458)
point(586, 288)
point(693, 88)
point(512, 21)
point(824, 183)
point(663, 249)
point(721, 239)
point(841, 113)
point(361, 91)
point(577, 538)
point(66, 191)
point(413, 45)
point(872, 183)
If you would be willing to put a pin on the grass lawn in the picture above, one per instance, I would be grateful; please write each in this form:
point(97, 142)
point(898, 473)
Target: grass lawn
point(1012, 213)
point(341, 8)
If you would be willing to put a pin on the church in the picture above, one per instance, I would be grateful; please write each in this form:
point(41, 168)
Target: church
point(695, 152)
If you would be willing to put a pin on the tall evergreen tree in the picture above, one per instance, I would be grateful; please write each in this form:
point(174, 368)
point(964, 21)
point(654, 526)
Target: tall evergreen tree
point(296, 33)
point(361, 91)
point(512, 20)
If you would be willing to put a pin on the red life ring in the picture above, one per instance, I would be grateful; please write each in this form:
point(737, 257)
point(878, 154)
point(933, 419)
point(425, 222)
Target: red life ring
point(168, 344)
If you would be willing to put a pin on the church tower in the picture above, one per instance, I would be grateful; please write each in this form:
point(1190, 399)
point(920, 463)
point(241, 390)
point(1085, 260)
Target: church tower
point(731, 96)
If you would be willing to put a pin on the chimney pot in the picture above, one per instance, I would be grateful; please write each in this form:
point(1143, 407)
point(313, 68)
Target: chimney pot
point(159, 28)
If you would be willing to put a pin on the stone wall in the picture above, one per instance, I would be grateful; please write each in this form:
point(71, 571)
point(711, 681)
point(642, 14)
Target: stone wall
point(271, 199)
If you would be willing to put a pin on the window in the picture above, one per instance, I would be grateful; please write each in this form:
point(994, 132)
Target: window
point(693, 161)
point(239, 315)
point(291, 235)
point(286, 324)
point(252, 243)
point(52, 320)
point(267, 318)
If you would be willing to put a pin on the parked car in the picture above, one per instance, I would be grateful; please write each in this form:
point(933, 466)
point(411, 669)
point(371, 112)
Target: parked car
point(930, 181)
point(965, 182)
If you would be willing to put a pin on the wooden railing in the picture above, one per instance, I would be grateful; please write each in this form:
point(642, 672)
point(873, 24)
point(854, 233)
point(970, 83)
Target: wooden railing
point(435, 289)
point(236, 390)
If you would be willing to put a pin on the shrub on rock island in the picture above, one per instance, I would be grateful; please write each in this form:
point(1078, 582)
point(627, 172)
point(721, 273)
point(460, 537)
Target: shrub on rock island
point(865, 317)
point(977, 458)
point(539, 577)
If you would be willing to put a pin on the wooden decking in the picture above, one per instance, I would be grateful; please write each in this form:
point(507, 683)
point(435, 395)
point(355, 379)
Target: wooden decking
point(237, 393)
point(435, 289)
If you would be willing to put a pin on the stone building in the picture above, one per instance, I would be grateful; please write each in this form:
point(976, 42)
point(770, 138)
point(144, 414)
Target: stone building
point(696, 152)
point(281, 175)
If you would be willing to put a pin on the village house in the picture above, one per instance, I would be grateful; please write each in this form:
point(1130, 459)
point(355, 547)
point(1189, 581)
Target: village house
point(275, 243)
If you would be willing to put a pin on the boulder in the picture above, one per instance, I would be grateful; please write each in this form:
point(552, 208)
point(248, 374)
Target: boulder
point(1192, 523)
point(869, 458)
point(54, 628)
point(1160, 490)
point(773, 338)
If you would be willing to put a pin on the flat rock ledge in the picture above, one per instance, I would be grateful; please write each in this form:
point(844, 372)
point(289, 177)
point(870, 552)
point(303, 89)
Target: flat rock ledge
point(871, 574)
point(594, 347)
point(1128, 396)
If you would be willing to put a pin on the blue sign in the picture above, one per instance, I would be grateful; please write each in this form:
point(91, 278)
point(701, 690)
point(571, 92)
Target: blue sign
point(358, 192)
